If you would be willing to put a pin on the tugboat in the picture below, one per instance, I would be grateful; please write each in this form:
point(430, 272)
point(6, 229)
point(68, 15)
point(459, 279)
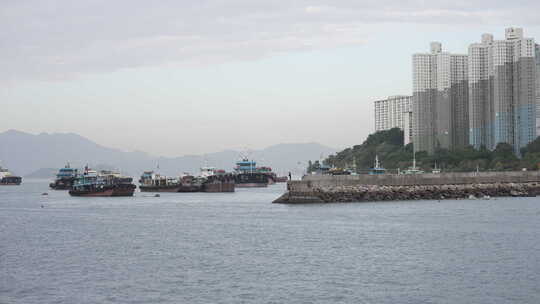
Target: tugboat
point(247, 176)
point(8, 179)
point(64, 178)
point(154, 182)
point(105, 183)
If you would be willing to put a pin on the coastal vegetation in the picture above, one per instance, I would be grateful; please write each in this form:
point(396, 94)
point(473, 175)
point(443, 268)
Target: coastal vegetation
point(389, 146)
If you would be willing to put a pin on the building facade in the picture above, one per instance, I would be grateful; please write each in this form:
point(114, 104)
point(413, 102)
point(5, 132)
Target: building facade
point(394, 112)
point(440, 100)
point(481, 112)
point(502, 91)
point(537, 57)
point(408, 127)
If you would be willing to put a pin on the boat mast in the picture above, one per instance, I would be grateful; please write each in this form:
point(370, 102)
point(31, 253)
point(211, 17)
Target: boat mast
point(414, 157)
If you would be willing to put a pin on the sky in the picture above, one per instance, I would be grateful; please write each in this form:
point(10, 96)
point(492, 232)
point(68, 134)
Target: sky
point(190, 77)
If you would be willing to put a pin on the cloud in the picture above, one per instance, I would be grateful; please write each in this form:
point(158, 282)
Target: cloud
point(62, 39)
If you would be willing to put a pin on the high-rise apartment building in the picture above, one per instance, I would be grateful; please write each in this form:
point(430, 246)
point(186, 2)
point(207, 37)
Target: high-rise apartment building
point(408, 127)
point(440, 100)
point(481, 113)
point(537, 57)
point(502, 91)
point(394, 112)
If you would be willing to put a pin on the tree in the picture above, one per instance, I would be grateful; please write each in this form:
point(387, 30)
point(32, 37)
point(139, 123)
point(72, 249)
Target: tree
point(532, 147)
point(388, 146)
point(504, 151)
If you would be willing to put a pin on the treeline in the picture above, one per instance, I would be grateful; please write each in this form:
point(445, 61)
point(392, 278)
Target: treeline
point(388, 145)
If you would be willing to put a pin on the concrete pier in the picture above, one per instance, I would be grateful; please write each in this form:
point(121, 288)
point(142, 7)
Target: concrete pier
point(388, 187)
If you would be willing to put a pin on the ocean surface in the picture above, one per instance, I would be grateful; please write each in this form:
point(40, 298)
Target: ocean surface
point(240, 248)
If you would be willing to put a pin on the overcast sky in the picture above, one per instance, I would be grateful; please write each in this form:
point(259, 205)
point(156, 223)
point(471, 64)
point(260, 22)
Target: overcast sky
point(181, 77)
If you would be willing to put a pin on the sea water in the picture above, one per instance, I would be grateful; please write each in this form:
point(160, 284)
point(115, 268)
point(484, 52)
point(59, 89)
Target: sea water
point(241, 248)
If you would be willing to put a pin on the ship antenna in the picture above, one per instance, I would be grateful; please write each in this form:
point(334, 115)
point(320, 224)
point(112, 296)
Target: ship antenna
point(244, 154)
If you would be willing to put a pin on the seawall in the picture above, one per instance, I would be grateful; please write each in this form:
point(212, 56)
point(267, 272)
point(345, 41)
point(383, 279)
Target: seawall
point(387, 187)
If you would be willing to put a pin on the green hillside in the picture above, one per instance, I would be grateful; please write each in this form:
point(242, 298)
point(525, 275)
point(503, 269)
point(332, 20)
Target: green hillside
point(388, 145)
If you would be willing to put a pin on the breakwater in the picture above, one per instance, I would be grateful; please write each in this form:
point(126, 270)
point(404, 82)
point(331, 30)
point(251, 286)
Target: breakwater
point(389, 187)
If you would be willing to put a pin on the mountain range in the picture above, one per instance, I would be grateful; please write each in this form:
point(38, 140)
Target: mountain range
point(41, 155)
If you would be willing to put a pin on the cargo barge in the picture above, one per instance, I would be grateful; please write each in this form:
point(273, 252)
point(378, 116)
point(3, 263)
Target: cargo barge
point(219, 183)
point(104, 183)
point(247, 176)
point(211, 180)
point(154, 182)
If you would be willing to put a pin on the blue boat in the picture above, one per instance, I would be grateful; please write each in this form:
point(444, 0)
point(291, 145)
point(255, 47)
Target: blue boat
point(104, 183)
point(377, 169)
point(64, 178)
point(246, 175)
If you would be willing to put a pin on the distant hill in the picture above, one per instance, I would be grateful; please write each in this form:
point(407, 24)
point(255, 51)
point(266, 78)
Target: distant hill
point(42, 173)
point(25, 154)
